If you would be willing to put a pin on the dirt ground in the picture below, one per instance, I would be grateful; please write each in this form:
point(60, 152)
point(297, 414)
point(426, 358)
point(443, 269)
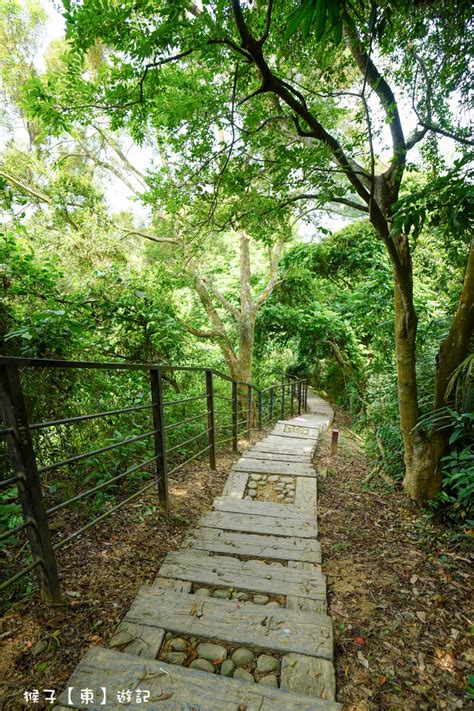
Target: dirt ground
point(100, 574)
point(400, 591)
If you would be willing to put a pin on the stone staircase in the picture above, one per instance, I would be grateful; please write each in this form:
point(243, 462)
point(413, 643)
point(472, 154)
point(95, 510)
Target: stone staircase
point(236, 619)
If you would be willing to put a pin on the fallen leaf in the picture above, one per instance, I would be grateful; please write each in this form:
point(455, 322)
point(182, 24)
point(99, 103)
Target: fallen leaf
point(413, 579)
point(382, 680)
point(421, 616)
point(359, 640)
point(421, 662)
point(362, 660)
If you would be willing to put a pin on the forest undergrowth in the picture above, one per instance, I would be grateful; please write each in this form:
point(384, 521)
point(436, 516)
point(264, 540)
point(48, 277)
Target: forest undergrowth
point(399, 587)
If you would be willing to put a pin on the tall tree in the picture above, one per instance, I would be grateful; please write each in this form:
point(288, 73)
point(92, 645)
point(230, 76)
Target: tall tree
point(307, 87)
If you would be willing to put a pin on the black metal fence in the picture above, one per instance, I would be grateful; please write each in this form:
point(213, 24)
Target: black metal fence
point(223, 409)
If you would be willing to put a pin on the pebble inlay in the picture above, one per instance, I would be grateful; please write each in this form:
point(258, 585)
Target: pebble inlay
point(274, 487)
point(215, 658)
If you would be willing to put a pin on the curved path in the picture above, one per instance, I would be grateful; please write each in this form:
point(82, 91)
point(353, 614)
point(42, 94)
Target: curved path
point(244, 599)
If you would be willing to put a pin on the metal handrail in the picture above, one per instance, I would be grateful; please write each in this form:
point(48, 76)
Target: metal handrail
point(250, 408)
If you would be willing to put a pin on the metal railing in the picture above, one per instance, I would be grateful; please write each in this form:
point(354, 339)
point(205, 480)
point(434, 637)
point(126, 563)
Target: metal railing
point(241, 408)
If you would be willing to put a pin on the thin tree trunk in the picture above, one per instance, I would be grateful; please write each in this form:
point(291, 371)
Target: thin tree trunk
point(455, 346)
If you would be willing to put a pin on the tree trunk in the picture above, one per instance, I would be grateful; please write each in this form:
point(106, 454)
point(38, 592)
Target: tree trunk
point(422, 453)
point(455, 346)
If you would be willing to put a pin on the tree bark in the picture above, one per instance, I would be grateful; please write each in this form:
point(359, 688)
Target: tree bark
point(455, 346)
point(238, 360)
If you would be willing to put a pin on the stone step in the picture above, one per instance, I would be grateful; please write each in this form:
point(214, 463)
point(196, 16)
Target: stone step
point(263, 508)
point(235, 484)
point(296, 430)
point(259, 466)
point(174, 688)
point(233, 622)
point(251, 545)
point(253, 575)
point(255, 453)
point(307, 675)
point(271, 447)
point(290, 439)
point(250, 523)
point(306, 495)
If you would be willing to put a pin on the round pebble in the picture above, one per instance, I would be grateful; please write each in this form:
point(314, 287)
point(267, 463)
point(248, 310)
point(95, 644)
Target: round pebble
point(203, 592)
point(261, 599)
point(273, 477)
point(175, 658)
point(252, 493)
point(242, 656)
point(273, 604)
point(212, 652)
point(244, 675)
point(202, 665)
point(252, 485)
point(269, 680)
point(178, 644)
point(222, 594)
point(266, 664)
point(227, 667)
point(168, 635)
point(240, 596)
point(39, 647)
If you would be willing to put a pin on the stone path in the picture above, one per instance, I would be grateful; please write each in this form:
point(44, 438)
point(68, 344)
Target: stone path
point(244, 599)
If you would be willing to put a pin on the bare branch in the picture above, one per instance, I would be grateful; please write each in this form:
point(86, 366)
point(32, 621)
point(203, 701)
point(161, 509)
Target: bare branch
point(29, 189)
point(443, 132)
point(351, 203)
point(222, 300)
point(274, 260)
point(268, 22)
point(382, 89)
point(200, 334)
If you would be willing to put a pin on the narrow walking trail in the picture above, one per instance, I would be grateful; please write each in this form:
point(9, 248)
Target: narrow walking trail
point(244, 599)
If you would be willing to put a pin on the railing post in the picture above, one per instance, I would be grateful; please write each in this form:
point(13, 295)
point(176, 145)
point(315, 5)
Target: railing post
point(283, 399)
point(156, 384)
point(292, 397)
point(210, 419)
point(299, 397)
point(249, 411)
point(306, 396)
point(271, 404)
point(235, 416)
point(22, 454)
point(260, 407)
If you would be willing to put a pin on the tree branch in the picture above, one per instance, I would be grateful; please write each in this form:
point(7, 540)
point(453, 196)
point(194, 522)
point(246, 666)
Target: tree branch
point(222, 300)
point(383, 91)
point(268, 22)
point(197, 332)
point(29, 189)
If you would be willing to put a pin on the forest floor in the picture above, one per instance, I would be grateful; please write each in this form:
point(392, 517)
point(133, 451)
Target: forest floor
point(101, 574)
point(399, 591)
